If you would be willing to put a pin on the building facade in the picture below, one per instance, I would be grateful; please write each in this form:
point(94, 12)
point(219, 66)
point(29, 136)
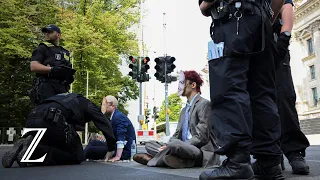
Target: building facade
point(305, 47)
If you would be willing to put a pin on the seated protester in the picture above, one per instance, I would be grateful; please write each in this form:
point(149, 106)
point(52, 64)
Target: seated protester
point(193, 144)
point(61, 143)
point(97, 148)
point(122, 129)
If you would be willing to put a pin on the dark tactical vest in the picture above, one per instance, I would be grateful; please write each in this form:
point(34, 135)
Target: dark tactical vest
point(56, 55)
point(70, 102)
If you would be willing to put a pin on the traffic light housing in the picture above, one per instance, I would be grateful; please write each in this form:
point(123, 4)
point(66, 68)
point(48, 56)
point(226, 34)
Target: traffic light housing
point(165, 66)
point(171, 78)
point(134, 66)
point(147, 114)
point(155, 113)
point(144, 69)
point(160, 68)
point(170, 65)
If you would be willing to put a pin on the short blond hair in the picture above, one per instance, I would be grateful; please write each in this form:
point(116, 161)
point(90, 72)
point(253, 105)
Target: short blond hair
point(113, 100)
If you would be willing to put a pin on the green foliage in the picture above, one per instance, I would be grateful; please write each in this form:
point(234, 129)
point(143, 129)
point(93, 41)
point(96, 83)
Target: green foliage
point(174, 105)
point(20, 21)
point(161, 128)
point(97, 38)
point(96, 32)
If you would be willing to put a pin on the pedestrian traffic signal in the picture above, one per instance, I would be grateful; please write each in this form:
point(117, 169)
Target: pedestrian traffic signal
point(134, 66)
point(144, 69)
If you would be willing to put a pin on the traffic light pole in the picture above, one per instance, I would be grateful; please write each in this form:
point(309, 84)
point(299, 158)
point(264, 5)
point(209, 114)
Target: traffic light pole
point(165, 76)
point(140, 116)
point(167, 102)
point(140, 105)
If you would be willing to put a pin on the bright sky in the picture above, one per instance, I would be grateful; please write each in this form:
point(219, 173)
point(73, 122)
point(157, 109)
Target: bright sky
point(187, 35)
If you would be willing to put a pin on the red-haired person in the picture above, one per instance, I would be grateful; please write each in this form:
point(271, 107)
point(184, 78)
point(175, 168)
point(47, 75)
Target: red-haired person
point(193, 143)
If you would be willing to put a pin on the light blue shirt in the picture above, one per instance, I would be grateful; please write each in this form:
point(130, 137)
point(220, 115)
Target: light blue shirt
point(188, 107)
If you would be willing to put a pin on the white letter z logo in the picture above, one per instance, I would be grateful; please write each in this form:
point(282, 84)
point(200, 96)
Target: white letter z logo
point(34, 144)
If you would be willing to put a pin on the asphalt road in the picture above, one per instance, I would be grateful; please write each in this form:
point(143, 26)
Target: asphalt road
point(131, 170)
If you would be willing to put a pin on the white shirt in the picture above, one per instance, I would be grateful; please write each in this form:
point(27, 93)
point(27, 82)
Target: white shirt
point(112, 114)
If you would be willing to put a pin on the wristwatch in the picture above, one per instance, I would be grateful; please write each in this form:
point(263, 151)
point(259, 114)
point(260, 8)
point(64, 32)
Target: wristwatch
point(286, 33)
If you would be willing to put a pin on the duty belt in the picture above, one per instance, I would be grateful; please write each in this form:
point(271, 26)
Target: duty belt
point(225, 8)
point(42, 79)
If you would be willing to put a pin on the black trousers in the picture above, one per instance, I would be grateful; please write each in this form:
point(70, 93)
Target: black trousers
point(54, 143)
point(292, 138)
point(96, 150)
point(48, 89)
point(242, 87)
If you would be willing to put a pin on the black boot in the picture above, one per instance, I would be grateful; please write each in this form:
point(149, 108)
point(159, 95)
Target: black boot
point(267, 170)
point(10, 156)
point(298, 164)
point(26, 144)
point(235, 167)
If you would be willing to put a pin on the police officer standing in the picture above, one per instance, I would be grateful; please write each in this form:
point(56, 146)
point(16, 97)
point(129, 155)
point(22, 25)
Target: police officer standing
point(242, 88)
point(59, 114)
point(52, 66)
point(293, 141)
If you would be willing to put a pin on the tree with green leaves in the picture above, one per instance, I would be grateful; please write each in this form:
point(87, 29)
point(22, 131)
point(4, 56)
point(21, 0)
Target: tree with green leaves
point(20, 22)
point(98, 33)
point(174, 108)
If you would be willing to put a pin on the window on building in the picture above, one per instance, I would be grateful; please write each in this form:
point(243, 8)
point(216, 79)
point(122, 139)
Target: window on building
point(312, 72)
point(315, 96)
point(310, 46)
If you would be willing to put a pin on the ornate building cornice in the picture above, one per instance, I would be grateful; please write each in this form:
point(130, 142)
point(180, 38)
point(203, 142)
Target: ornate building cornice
point(305, 9)
point(312, 27)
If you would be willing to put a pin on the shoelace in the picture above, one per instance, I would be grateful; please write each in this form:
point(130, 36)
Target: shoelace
point(224, 162)
point(296, 157)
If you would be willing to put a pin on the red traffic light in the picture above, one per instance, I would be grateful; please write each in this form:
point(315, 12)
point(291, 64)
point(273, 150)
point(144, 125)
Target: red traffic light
point(146, 60)
point(132, 59)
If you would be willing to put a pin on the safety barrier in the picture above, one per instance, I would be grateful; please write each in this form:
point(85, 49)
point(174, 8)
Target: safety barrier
point(8, 135)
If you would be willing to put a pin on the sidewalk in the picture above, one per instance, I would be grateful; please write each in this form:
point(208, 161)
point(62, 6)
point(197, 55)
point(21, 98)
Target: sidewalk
point(314, 139)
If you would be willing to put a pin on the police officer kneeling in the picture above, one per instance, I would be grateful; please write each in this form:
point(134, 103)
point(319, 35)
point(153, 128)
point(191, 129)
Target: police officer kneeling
point(61, 143)
point(51, 63)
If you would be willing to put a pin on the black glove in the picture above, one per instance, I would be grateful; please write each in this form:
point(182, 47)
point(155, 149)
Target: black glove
point(283, 44)
point(61, 72)
point(69, 79)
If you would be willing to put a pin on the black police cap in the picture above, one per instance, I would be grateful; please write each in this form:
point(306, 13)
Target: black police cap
point(51, 27)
